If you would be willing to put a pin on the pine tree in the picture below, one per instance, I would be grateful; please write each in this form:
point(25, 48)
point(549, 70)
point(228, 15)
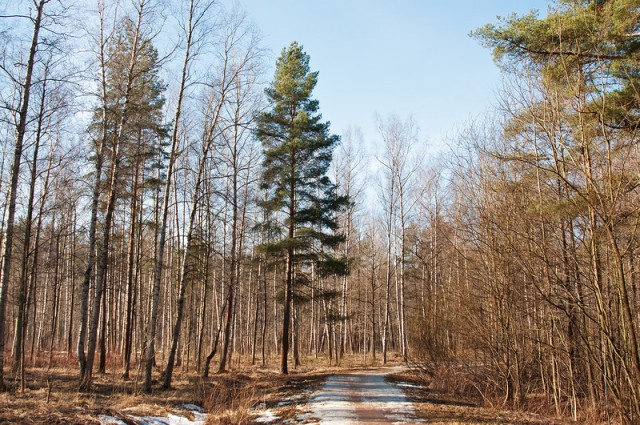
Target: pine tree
point(128, 129)
point(298, 149)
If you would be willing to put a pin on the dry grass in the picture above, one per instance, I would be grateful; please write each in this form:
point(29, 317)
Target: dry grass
point(434, 405)
point(475, 387)
point(234, 398)
point(51, 395)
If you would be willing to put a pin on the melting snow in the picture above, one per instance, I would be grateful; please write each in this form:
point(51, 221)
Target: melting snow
point(171, 419)
point(331, 404)
point(361, 397)
point(110, 420)
point(191, 407)
point(150, 420)
point(266, 416)
point(354, 398)
point(405, 385)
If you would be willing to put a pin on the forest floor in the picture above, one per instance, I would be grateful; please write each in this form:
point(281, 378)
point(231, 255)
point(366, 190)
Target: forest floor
point(51, 395)
point(250, 395)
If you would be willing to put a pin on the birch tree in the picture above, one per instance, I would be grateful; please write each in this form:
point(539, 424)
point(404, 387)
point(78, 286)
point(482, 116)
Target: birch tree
point(20, 129)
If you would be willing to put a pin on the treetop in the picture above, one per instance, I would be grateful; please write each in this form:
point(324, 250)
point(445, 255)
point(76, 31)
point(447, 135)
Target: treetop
point(293, 80)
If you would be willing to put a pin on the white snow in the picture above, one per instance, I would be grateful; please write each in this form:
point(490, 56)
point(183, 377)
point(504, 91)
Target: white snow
point(266, 416)
point(331, 404)
point(150, 420)
point(176, 418)
point(360, 397)
point(170, 419)
point(110, 420)
point(191, 407)
point(291, 399)
point(181, 420)
point(405, 385)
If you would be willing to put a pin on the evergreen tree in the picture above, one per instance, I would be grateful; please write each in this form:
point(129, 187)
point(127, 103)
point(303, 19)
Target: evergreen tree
point(593, 43)
point(127, 130)
point(298, 149)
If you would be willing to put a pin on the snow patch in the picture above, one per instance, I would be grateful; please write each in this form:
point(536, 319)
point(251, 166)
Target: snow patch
point(362, 397)
point(266, 416)
point(170, 419)
point(110, 420)
point(406, 385)
point(177, 418)
point(150, 420)
point(331, 403)
point(181, 420)
point(292, 399)
point(191, 407)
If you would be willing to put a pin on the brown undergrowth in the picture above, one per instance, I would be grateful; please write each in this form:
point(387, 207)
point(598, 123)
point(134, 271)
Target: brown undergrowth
point(455, 400)
point(51, 394)
point(234, 397)
point(51, 397)
point(474, 386)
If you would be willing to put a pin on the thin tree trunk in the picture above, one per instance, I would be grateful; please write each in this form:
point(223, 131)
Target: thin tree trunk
point(185, 267)
point(233, 273)
point(162, 225)
point(18, 339)
point(131, 279)
point(7, 243)
point(288, 290)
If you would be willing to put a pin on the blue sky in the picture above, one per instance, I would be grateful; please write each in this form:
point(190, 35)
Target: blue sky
point(408, 57)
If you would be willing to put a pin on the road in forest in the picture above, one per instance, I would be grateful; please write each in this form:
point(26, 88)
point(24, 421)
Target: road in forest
point(362, 397)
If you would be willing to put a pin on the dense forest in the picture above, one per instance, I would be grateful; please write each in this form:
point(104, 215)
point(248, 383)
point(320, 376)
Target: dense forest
point(170, 207)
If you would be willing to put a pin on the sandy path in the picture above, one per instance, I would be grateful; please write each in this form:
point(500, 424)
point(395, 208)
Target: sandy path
point(361, 397)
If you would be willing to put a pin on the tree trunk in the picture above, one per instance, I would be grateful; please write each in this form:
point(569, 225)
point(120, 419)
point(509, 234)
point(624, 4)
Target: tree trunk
point(162, 225)
point(7, 243)
point(18, 339)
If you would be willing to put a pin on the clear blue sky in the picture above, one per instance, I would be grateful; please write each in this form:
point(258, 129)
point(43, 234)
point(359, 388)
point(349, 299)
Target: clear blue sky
point(391, 56)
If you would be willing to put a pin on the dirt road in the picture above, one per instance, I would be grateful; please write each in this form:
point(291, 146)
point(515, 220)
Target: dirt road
point(360, 397)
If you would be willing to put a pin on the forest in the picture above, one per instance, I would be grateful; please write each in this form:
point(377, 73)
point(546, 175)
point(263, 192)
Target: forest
point(174, 205)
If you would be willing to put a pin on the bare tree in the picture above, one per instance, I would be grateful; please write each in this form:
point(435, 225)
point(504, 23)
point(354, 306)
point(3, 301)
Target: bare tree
point(21, 125)
point(197, 17)
point(398, 173)
point(349, 162)
point(237, 151)
point(233, 64)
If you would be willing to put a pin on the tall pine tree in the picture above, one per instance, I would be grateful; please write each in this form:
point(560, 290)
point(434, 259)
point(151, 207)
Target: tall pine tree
point(127, 132)
point(298, 148)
